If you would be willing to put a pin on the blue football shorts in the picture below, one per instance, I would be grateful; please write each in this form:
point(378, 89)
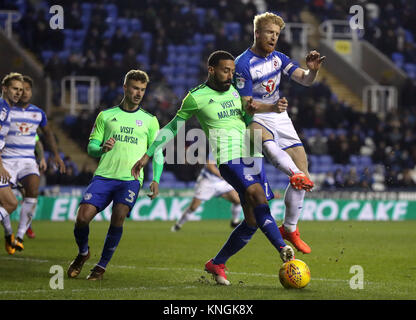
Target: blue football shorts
point(242, 173)
point(101, 191)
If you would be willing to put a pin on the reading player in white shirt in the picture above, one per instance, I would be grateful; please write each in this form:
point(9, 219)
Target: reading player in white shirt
point(19, 157)
point(257, 78)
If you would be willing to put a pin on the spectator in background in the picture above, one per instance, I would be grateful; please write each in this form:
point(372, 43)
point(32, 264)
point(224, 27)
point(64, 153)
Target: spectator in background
point(329, 182)
point(405, 179)
point(318, 144)
point(366, 180)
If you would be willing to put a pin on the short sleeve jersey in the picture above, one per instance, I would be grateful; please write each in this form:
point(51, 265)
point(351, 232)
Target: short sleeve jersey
point(259, 77)
point(21, 138)
point(4, 121)
point(133, 132)
point(221, 117)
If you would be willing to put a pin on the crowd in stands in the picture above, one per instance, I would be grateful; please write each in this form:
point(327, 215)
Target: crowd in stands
point(98, 38)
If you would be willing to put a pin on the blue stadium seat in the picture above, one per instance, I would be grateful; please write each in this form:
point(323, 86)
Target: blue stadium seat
point(196, 48)
point(354, 160)
point(167, 70)
point(206, 38)
point(147, 38)
point(117, 56)
point(313, 159)
point(232, 28)
point(201, 16)
point(410, 69)
point(123, 24)
point(143, 59)
point(63, 55)
point(180, 69)
point(112, 10)
point(82, 93)
point(46, 55)
point(182, 59)
point(179, 91)
point(328, 131)
point(135, 25)
point(168, 176)
point(366, 161)
point(198, 38)
point(182, 50)
point(325, 159)
point(398, 59)
point(192, 71)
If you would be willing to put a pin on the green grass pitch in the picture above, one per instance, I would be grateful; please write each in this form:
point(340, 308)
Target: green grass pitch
point(153, 263)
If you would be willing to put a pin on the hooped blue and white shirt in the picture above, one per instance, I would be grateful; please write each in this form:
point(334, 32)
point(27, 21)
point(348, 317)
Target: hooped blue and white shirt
point(259, 77)
point(21, 138)
point(4, 121)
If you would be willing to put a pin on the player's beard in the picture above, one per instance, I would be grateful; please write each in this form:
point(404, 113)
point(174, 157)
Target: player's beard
point(222, 85)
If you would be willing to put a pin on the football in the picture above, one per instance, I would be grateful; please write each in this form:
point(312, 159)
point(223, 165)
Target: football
point(294, 274)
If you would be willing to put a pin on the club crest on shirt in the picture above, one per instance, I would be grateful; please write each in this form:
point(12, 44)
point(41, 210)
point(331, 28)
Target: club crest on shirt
point(269, 85)
point(24, 128)
point(235, 94)
point(87, 196)
point(240, 82)
point(248, 177)
point(139, 123)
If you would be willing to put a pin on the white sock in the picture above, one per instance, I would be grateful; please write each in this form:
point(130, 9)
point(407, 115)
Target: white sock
point(3, 213)
point(7, 225)
point(294, 203)
point(26, 215)
point(236, 212)
point(184, 217)
point(279, 158)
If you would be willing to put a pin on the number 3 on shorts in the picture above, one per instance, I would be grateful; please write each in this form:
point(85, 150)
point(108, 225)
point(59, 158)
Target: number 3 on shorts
point(130, 198)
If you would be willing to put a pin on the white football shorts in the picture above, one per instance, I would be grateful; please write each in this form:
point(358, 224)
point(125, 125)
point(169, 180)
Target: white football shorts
point(280, 125)
point(18, 169)
point(206, 188)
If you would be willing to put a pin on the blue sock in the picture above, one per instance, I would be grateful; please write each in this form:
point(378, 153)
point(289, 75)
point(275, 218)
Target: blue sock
point(110, 244)
point(268, 225)
point(240, 236)
point(81, 238)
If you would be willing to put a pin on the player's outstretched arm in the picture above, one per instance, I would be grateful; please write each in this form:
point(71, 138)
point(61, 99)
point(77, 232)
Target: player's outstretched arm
point(313, 62)
point(166, 134)
point(253, 107)
point(50, 139)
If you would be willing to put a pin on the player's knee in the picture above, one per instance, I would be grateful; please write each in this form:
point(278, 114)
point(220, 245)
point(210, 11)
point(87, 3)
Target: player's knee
point(256, 196)
point(10, 205)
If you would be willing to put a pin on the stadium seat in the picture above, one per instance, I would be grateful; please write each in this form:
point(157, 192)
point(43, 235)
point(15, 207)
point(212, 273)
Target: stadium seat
point(143, 59)
point(46, 55)
point(123, 24)
point(325, 159)
point(135, 25)
point(147, 38)
point(182, 50)
point(117, 56)
point(232, 28)
point(206, 38)
point(198, 38)
point(398, 59)
point(410, 69)
point(112, 10)
point(201, 16)
point(64, 55)
point(354, 160)
point(82, 93)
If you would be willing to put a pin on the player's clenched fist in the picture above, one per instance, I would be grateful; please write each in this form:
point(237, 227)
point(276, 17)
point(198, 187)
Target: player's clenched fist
point(314, 60)
point(108, 145)
point(281, 105)
point(135, 171)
